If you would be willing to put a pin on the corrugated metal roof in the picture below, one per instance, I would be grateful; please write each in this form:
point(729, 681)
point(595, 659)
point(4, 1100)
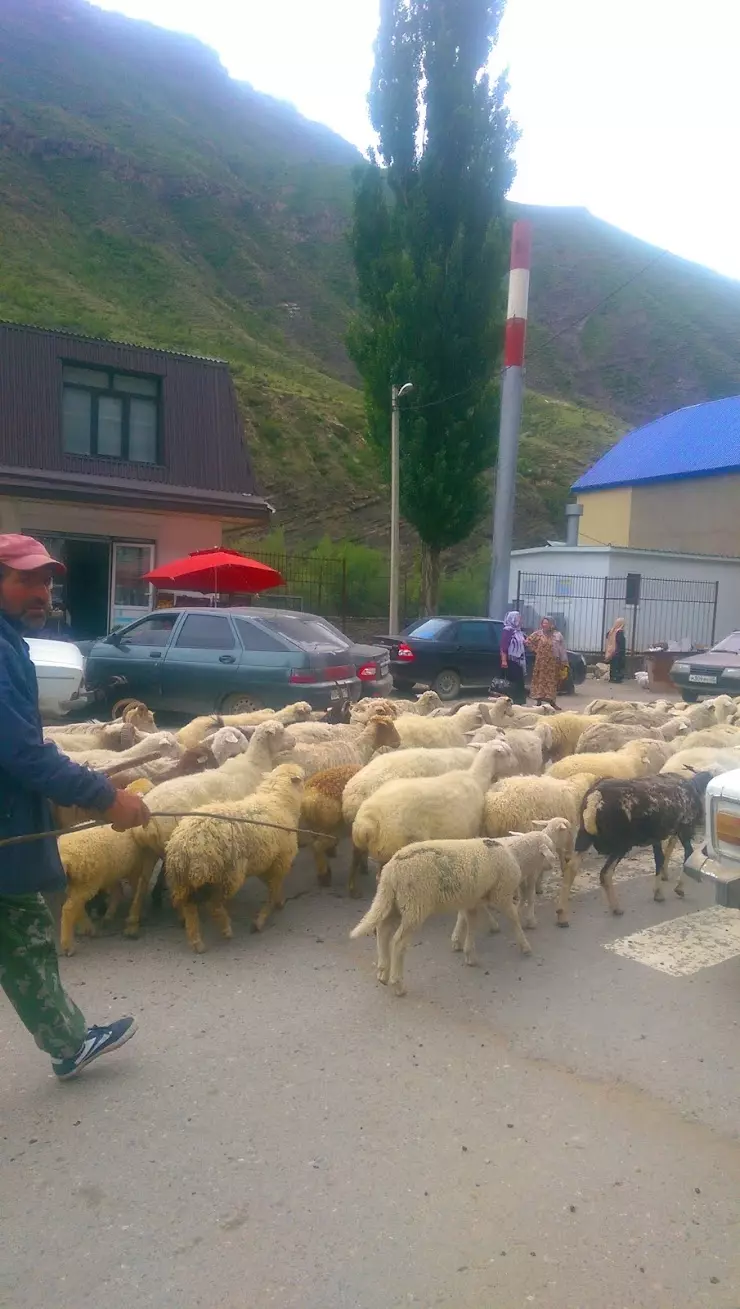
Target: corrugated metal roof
point(692, 442)
point(106, 340)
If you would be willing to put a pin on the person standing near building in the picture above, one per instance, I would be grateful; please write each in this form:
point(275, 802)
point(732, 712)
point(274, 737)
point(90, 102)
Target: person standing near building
point(32, 773)
point(514, 656)
point(550, 662)
point(615, 652)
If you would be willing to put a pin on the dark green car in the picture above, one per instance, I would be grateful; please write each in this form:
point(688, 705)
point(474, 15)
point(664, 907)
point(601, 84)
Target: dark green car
point(199, 661)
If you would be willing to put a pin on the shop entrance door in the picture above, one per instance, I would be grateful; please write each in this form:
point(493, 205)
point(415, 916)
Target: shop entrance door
point(87, 590)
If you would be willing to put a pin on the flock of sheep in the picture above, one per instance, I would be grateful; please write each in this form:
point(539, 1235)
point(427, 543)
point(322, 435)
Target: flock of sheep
point(462, 810)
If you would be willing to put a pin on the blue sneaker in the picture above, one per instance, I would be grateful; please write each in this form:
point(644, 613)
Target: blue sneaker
point(99, 1040)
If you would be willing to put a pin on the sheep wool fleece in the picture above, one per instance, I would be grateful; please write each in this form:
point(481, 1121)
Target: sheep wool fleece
point(29, 976)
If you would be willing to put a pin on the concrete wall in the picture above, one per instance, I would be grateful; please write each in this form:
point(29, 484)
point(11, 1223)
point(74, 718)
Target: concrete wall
point(606, 517)
point(700, 514)
point(173, 535)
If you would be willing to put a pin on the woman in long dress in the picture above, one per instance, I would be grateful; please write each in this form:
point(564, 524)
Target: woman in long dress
point(549, 660)
point(616, 651)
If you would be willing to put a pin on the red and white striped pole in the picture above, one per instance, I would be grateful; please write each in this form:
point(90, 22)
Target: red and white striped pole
point(512, 391)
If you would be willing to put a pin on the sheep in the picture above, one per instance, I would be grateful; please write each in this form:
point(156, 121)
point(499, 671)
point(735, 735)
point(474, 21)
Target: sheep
point(344, 750)
point(621, 813)
point(565, 732)
point(110, 736)
point(93, 861)
point(468, 717)
point(210, 859)
point(612, 736)
point(158, 745)
point(521, 804)
point(527, 747)
point(232, 781)
point(427, 808)
point(402, 763)
point(429, 733)
point(711, 759)
point(722, 734)
point(425, 704)
point(321, 811)
point(635, 759)
point(430, 877)
point(536, 852)
point(197, 729)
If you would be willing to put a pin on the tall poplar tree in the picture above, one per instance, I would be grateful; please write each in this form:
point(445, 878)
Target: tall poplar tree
point(431, 241)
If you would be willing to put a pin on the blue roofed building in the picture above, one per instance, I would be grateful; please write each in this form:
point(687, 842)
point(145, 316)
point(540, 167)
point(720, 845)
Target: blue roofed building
point(673, 484)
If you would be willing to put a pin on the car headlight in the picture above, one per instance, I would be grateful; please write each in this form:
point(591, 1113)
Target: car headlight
point(734, 673)
point(680, 668)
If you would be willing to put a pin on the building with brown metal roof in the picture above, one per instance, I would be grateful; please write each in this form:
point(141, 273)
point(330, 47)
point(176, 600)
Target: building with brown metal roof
point(120, 458)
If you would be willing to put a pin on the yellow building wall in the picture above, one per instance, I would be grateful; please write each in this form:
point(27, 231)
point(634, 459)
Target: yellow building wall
point(606, 517)
point(699, 515)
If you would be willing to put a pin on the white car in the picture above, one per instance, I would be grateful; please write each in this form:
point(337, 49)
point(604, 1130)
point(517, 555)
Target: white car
point(60, 671)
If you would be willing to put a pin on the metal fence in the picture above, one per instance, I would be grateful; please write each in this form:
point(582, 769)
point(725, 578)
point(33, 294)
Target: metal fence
point(315, 584)
point(655, 609)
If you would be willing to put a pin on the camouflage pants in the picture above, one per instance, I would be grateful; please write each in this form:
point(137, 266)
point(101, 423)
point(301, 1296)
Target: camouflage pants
point(29, 976)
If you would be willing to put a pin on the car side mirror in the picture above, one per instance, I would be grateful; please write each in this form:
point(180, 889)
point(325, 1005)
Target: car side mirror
point(114, 638)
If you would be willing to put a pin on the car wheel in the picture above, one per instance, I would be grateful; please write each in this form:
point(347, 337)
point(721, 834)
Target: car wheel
point(400, 685)
point(690, 697)
point(447, 684)
point(239, 703)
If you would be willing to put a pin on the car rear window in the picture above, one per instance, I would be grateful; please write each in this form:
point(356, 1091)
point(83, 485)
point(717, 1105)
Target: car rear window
point(309, 633)
point(730, 644)
point(431, 629)
point(254, 637)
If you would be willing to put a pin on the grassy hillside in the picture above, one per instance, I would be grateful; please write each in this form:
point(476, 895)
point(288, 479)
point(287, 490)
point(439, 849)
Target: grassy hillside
point(145, 195)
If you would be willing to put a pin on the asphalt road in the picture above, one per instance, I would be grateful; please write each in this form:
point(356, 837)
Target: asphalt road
point(560, 1131)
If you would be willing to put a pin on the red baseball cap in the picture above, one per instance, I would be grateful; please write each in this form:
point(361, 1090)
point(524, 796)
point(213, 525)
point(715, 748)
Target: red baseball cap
point(26, 555)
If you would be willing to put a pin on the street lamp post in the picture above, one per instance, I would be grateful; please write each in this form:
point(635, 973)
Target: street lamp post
point(396, 393)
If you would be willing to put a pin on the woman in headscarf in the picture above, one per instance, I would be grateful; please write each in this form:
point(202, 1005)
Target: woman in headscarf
point(550, 662)
point(514, 656)
point(616, 651)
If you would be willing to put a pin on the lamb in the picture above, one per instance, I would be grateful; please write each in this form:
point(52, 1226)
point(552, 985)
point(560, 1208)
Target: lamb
point(431, 877)
point(232, 781)
point(345, 750)
point(198, 729)
point(427, 808)
point(711, 759)
point(210, 859)
point(635, 759)
point(321, 811)
point(429, 733)
point(536, 852)
point(93, 861)
point(402, 763)
point(619, 814)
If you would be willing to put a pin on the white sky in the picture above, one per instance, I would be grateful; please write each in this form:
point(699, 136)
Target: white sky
point(630, 108)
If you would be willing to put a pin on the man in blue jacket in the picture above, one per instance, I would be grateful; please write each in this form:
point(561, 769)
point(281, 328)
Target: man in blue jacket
point(33, 772)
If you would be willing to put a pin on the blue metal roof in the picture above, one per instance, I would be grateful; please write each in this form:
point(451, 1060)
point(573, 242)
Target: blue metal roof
point(692, 442)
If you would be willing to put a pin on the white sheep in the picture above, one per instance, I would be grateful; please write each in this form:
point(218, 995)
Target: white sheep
point(429, 733)
point(725, 735)
point(157, 745)
point(232, 781)
point(425, 704)
point(426, 808)
point(209, 859)
point(96, 860)
point(198, 729)
point(341, 750)
point(401, 763)
point(703, 759)
point(522, 804)
point(635, 759)
point(612, 736)
point(433, 877)
point(527, 750)
point(536, 853)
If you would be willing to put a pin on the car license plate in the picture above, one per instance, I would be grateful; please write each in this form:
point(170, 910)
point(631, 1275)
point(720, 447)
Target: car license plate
point(705, 679)
point(340, 693)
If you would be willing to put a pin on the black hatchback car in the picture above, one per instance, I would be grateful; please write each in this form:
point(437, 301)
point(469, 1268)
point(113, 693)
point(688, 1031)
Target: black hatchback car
point(452, 654)
point(200, 661)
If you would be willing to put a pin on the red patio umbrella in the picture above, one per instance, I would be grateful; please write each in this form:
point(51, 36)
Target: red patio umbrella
point(211, 571)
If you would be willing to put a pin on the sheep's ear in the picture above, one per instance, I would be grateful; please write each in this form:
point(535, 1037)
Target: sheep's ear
point(540, 822)
point(513, 833)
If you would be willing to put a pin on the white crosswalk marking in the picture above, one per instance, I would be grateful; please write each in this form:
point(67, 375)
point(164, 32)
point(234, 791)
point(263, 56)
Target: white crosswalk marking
point(685, 945)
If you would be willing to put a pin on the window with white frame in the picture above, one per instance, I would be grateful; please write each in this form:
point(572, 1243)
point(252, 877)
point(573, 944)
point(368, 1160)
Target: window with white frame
point(112, 414)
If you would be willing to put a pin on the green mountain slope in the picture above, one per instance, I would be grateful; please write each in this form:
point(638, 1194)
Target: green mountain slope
point(145, 195)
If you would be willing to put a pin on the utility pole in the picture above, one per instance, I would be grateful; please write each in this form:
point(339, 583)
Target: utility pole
point(396, 393)
point(512, 390)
